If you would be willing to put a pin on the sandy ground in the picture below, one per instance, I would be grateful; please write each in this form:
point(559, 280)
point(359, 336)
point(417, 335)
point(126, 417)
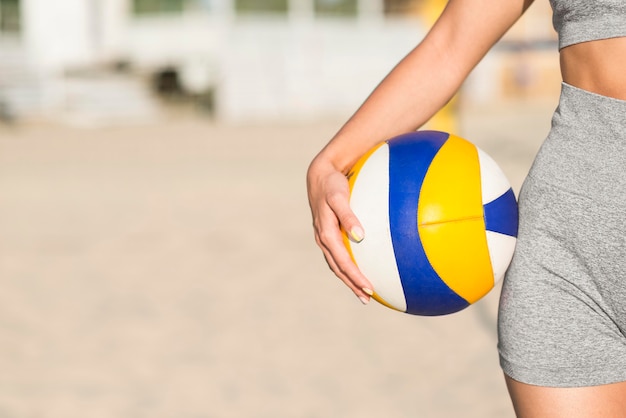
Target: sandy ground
point(169, 270)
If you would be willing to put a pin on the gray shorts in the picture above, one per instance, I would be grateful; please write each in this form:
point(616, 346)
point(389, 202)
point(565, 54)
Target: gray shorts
point(562, 318)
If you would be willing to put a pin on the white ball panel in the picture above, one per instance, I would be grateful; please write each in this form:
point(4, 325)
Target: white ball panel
point(501, 249)
point(374, 255)
point(494, 182)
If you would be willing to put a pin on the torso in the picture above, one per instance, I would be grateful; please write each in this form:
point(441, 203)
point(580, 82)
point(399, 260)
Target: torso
point(596, 66)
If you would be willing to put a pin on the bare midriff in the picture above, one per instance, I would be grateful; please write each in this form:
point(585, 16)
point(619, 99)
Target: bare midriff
point(596, 66)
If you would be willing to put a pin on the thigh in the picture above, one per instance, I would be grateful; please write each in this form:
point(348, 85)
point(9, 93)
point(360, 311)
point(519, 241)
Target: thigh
point(562, 317)
point(607, 401)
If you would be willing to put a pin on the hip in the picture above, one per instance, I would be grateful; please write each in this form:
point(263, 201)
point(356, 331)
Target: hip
point(585, 151)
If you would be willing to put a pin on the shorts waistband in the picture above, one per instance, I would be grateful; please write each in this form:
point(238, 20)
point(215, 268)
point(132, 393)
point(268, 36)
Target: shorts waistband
point(593, 101)
point(585, 151)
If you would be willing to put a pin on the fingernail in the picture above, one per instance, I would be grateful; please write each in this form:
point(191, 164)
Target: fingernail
point(368, 291)
point(364, 300)
point(356, 234)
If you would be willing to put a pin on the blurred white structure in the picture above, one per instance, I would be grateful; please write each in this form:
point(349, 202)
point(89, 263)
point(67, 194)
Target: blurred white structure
point(300, 59)
point(295, 63)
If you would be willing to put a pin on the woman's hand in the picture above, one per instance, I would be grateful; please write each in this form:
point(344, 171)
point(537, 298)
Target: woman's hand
point(329, 200)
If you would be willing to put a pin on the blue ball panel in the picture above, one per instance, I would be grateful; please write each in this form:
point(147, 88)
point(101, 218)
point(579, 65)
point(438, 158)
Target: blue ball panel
point(425, 292)
point(501, 214)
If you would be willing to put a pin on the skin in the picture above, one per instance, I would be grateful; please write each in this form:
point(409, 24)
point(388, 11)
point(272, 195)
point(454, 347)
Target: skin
point(596, 66)
point(412, 93)
point(605, 401)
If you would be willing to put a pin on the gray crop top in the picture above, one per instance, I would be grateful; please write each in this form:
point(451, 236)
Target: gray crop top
point(586, 20)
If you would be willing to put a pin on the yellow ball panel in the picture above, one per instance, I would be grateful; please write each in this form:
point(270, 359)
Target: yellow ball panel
point(451, 188)
point(458, 252)
point(354, 172)
point(383, 302)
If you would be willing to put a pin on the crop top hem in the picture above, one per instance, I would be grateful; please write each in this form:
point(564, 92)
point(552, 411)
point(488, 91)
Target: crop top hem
point(591, 30)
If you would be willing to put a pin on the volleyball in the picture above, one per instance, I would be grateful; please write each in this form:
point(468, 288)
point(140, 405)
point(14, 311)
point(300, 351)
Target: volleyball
point(440, 221)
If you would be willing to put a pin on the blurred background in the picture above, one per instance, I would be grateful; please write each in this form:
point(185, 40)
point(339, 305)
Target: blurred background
point(156, 249)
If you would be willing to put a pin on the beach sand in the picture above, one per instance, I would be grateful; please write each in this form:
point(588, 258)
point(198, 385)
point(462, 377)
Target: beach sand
point(169, 270)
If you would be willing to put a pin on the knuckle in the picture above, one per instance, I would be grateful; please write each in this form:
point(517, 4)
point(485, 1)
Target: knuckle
point(325, 236)
point(336, 199)
point(318, 241)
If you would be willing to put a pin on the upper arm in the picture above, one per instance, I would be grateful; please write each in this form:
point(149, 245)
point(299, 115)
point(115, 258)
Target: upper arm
point(467, 29)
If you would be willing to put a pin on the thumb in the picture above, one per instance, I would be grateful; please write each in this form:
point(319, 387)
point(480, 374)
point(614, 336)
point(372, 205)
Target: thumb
point(340, 204)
